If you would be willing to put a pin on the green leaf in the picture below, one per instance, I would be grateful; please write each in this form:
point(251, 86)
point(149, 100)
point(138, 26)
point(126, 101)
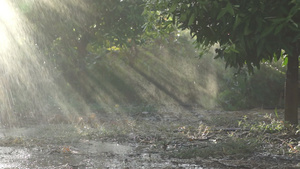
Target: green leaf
point(191, 20)
point(174, 20)
point(278, 29)
point(183, 17)
point(229, 8)
point(267, 31)
point(222, 13)
point(260, 47)
point(279, 20)
point(285, 61)
point(173, 7)
point(236, 22)
point(247, 31)
point(293, 11)
point(294, 23)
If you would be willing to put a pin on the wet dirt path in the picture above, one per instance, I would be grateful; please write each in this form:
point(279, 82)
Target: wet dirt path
point(145, 142)
point(62, 147)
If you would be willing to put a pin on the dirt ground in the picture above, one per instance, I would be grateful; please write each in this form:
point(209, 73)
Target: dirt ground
point(177, 138)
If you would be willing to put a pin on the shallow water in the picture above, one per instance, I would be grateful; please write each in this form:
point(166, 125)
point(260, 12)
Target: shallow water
point(105, 155)
point(60, 146)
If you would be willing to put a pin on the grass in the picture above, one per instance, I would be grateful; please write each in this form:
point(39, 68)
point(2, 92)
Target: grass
point(231, 147)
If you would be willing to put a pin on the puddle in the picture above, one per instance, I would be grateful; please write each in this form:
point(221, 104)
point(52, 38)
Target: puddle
point(58, 146)
point(84, 154)
point(62, 147)
point(11, 157)
point(93, 147)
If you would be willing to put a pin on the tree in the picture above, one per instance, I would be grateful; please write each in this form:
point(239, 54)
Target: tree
point(79, 23)
point(118, 25)
point(74, 34)
point(249, 32)
point(119, 22)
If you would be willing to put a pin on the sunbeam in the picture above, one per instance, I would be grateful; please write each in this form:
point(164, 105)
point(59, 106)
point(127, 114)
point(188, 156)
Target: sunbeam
point(27, 91)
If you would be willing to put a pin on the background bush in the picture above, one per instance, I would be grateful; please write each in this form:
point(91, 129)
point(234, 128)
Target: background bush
point(262, 89)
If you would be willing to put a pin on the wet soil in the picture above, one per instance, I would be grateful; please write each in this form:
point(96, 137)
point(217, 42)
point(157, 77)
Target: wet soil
point(168, 139)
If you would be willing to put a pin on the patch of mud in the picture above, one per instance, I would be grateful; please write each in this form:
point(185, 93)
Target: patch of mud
point(63, 146)
point(148, 141)
point(84, 154)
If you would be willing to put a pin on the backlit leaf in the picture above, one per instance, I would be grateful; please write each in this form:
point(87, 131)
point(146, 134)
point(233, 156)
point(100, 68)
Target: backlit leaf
point(285, 61)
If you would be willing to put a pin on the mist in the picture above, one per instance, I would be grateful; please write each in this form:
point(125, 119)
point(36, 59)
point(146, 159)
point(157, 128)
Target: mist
point(74, 93)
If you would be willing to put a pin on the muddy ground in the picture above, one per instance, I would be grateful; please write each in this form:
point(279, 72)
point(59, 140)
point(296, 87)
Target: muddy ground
point(178, 138)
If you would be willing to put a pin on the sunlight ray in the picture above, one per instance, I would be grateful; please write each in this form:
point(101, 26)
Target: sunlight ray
point(27, 88)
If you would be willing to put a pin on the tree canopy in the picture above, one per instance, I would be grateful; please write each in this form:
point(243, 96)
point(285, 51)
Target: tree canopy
point(248, 32)
point(119, 23)
point(86, 25)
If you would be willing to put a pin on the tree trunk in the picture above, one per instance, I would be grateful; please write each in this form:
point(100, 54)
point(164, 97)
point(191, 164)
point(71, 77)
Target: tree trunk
point(291, 88)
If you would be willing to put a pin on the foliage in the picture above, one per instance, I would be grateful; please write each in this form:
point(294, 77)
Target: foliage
point(73, 30)
point(270, 130)
point(75, 35)
point(265, 88)
point(156, 26)
point(246, 31)
point(118, 23)
point(269, 125)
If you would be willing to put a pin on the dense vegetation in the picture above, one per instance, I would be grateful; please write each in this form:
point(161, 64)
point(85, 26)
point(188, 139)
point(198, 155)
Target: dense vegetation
point(248, 33)
point(102, 54)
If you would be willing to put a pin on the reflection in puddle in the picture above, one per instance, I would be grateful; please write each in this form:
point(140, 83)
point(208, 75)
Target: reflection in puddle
point(11, 157)
point(92, 147)
point(61, 147)
point(83, 154)
point(90, 154)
